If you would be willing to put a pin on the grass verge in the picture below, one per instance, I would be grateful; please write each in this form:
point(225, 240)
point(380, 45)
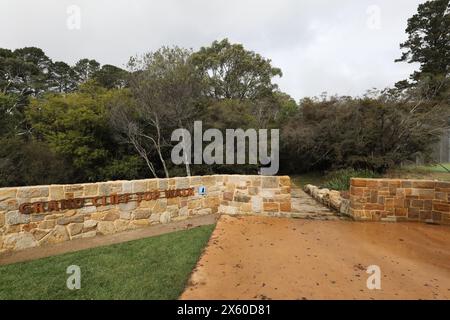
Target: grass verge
point(339, 180)
point(151, 268)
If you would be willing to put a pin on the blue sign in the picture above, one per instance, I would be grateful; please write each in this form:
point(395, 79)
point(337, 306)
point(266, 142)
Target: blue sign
point(202, 190)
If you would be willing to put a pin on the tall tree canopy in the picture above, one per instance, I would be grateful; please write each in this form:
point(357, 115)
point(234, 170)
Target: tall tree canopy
point(85, 69)
point(428, 44)
point(111, 77)
point(235, 73)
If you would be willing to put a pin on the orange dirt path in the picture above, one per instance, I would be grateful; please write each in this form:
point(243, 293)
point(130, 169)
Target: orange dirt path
point(276, 258)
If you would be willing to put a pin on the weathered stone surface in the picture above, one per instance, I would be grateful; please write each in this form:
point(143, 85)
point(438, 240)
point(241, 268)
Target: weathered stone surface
point(181, 183)
point(9, 205)
point(15, 217)
point(256, 181)
point(19, 241)
point(76, 189)
point(160, 206)
point(345, 207)
point(56, 192)
point(204, 211)
point(28, 227)
point(195, 181)
point(37, 217)
point(39, 233)
point(8, 229)
point(142, 213)
point(87, 210)
point(121, 225)
point(285, 181)
point(104, 208)
point(111, 216)
point(116, 187)
point(126, 215)
point(140, 186)
point(155, 218)
point(91, 190)
point(73, 219)
point(98, 215)
point(32, 192)
point(173, 201)
point(165, 217)
point(285, 206)
point(246, 208)
point(2, 219)
point(228, 210)
point(89, 225)
point(57, 235)
point(163, 184)
point(106, 227)
point(104, 189)
point(194, 204)
point(267, 193)
point(184, 211)
point(127, 187)
point(271, 206)
point(213, 202)
point(140, 222)
point(152, 184)
point(89, 234)
point(173, 210)
point(208, 181)
point(75, 228)
point(128, 206)
point(282, 197)
point(241, 197)
point(70, 213)
point(257, 204)
point(7, 193)
point(269, 182)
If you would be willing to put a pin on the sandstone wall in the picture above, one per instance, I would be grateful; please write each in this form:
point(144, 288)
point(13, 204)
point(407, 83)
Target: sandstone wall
point(34, 216)
point(330, 198)
point(400, 200)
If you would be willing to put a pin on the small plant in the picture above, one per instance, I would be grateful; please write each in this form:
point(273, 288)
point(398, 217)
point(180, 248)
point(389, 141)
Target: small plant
point(340, 179)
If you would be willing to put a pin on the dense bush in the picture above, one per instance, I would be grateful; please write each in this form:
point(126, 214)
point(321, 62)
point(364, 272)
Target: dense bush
point(374, 133)
point(89, 122)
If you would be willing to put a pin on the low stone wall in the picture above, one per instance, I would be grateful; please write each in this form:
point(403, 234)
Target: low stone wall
point(400, 200)
point(330, 198)
point(34, 216)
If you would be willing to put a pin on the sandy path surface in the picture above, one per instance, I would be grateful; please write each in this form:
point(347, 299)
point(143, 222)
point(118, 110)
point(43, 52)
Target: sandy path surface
point(275, 258)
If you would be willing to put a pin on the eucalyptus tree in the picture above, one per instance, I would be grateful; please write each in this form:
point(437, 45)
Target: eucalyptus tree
point(167, 90)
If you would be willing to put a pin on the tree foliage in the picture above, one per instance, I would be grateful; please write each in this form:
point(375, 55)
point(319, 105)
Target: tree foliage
point(235, 73)
point(87, 122)
point(428, 44)
point(76, 127)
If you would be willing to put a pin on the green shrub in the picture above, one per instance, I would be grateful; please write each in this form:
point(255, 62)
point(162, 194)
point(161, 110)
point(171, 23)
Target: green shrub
point(340, 179)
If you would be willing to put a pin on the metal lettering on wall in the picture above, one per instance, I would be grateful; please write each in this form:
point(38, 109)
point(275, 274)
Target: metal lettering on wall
point(101, 201)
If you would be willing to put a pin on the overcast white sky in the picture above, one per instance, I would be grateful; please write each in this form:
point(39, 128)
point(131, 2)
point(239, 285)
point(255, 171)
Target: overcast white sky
point(343, 47)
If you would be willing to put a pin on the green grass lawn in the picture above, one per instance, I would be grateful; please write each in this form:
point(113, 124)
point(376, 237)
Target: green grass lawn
point(151, 268)
point(431, 172)
point(443, 167)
